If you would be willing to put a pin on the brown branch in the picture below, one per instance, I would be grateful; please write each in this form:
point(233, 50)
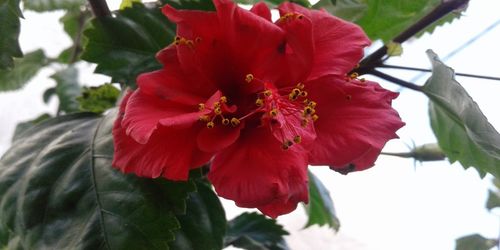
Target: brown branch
point(100, 8)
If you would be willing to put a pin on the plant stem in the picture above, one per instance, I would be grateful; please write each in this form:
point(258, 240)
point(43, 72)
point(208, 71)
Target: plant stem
point(395, 80)
point(428, 70)
point(77, 46)
point(375, 58)
point(100, 8)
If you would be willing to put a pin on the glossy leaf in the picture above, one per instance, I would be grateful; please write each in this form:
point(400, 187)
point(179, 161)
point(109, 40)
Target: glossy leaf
point(98, 99)
point(320, 208)
point(10, 28)
point(125, 46)
point(67, 89)
point(254, 231)
point(49, 5)
point(463, 132)
point(203, 226)
point(59, 191)
point(384, 19)
point(25, 68)
point(474, 242)
point(24, 126)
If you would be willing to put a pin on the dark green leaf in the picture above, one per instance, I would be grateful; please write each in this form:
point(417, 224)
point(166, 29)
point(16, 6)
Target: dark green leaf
point(190, 4)
point(463, 132)
point(59, 191)
point(254, 231)
point(125, 46)
point(204, 224)
point(320, 208)
point(384, 19)
point(24, 126)
point(9, 29)
point(24, 69)
point(48, 5)
point(67, 89)
point(493, 200)
point(98, 99)
point(474, 242)
point(48, 93)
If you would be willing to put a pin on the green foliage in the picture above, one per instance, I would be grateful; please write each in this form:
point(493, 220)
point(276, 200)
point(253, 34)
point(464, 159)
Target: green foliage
point(98, 99)
point(24, 69)
point(10, 28)
point(67, 89)
point(49, 5)
point(493, 200)
point(254, 231)
point(190, 4)
point(24, 126)
point(125, 46)
point(204, 224)
point(59, 191)
point(320, 208)
point(475, 242)
point(463, 132)
point(385, 19)
point(73, 22)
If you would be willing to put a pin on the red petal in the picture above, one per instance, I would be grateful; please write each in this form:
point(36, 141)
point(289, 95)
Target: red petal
point(338, 44)
point(217, 138)
point(143, 112)
point(261, 10)
point(256, 172)
point(169, 152)
point(355, 121)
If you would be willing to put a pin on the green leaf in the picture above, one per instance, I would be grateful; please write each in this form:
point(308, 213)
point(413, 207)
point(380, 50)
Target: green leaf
point(384, 19)
point(493, 200)
point(74, 22)
point(125, 46)
point(67, 89)
point(49, 5)
point(24, 69)
point(203, 226)
point(48, 93)
point(320, 208)
point(190, 4)
point(59, 191)
point(98, 99)
point(254, 231)
point(24, 126)
point(128, 3)
point(462, 131)
point(474, 242)
point(9, 28)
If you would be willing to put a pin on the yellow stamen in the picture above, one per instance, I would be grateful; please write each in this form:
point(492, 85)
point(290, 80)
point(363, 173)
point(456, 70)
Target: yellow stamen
point(292, 97)
point(210, 124)
point(249, 78)
point(297, 139)
point(225, 121)
point(267, 93)
point(217, 111)
point(235, 122)
point(312, 104)
point(201, 106)
point(309, 111)
point(223, 99)
point(304, 123)
point(273, 112)
point(204, 118)
point(300, 85)
point(286, 145)
point(259, 102)
point(315, 118)
point(354, 75)
point(303, 93)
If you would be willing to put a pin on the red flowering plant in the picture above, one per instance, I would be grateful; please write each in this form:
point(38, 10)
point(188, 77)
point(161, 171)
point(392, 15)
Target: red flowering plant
point(259, 100)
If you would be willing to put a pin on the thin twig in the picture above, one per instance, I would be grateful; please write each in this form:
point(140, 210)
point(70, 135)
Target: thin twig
point(428, 70)
point(99, 8)
point(375, 58)
point(77, 46)
point(395, 80)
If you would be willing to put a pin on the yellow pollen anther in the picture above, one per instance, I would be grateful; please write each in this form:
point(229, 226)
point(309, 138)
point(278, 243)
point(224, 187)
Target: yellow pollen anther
point(354, 75)
point(204, 118)
point(312, 104)
point(292, 97)
point(315, 118)
point(225, 121)
point(217, 111)
point(216, 104)
point(267, 93)
point(223, 99)
point(249, 78)
point(201, 106)
point(235, 122)
point(304, 123)
point(189, 43)
point(210, 124)
point(303, 93)
point(273, 112)
point(297, 139)
point(177, 38)
point(309, 111)
point(259, 102)
point(306, 101)
point(300, 85)
point(287, 144)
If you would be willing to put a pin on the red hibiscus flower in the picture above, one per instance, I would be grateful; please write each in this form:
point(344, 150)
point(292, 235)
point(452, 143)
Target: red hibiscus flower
point(259, 99)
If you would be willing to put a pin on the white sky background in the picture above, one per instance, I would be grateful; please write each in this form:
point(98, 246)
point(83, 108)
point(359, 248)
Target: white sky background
point(392, 206)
